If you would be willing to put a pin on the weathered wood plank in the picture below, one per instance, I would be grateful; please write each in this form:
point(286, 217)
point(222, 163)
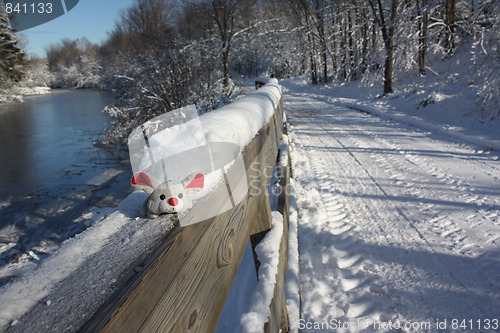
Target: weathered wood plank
point(261, 168)
point(132, 279)
point(194, 301)
point(186, 286)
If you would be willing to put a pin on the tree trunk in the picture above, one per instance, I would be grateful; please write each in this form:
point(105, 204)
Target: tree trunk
point(450, 25)
point(388, 37)
point(312, 46)
point(422, 37)
point(320, 28)
point(223, 14)
point(334, 44)
point(364, 47)
point(388, 86)
point(352, 69)
point(225, 66)
point(343, 46)
point(324, 50)
point(313, 67)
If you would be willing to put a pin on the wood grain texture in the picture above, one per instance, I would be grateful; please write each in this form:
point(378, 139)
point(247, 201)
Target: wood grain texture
point(185, 285)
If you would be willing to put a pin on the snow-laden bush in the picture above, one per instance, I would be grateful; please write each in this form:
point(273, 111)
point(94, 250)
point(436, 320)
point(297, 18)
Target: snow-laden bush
point(35, 81)
point(74, 64)
point(37, 74)
point(160, 80)
point(486, 56)
point(81, 75)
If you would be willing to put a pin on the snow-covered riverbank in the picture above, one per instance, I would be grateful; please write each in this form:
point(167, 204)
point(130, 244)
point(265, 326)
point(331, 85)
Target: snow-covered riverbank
point(17, 94)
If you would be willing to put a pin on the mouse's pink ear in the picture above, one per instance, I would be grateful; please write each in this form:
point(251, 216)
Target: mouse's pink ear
point(194, 181)
point(143, 182)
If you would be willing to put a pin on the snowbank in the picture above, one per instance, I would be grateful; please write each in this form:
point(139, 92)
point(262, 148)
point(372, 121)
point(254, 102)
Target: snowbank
point(25, 91)
point(17, 94)
point(460, 127)
point(268, 254)
point(292, 291)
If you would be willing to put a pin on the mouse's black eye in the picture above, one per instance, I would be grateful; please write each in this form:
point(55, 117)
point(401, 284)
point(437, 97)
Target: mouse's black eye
point(162, 197)
point(180, 195)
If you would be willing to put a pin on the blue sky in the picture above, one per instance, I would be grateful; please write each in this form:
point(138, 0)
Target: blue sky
point(90, 18)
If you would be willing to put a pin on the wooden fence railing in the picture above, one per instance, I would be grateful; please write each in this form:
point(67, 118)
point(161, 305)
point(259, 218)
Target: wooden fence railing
point(184, 285)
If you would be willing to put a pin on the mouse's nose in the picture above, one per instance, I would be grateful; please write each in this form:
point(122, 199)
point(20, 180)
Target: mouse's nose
point(173, 201)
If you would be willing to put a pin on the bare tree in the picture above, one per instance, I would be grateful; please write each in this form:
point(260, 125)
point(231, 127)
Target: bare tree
point(148, 17)
point(388, 27)
point(74, 63)
point(423, 8)
point(224, 12)
point(318, 10)
point(63, 54)
point(449, 21)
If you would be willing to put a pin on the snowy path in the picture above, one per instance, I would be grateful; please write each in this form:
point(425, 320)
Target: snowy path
point(396, 223)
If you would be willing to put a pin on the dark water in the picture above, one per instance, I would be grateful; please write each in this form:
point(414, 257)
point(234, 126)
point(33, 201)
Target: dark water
point(44, 134)
point(51, 173)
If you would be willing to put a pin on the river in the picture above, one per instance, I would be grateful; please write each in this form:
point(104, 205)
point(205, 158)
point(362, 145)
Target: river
point(45, 134)
point(50, 171)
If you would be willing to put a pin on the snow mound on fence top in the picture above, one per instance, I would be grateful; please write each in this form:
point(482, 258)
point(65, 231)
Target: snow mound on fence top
point(239, 121)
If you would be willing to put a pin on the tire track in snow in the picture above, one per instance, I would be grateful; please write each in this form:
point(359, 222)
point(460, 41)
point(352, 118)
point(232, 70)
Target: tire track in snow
point(458, 238)
point(398, 174)
point(361, 302)
point(384, 258)
point(354, 292)
point(367, 215)
point(329, 263)
point(459, 232)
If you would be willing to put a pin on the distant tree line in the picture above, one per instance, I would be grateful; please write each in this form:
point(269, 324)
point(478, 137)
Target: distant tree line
point(163, 54)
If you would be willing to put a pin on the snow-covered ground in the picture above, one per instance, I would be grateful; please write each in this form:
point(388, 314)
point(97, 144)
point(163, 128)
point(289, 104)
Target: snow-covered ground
point(17, 94)
point(398, 211)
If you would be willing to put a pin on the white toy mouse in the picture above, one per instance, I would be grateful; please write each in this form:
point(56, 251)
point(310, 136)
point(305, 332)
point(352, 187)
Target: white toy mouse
point(170, 197)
